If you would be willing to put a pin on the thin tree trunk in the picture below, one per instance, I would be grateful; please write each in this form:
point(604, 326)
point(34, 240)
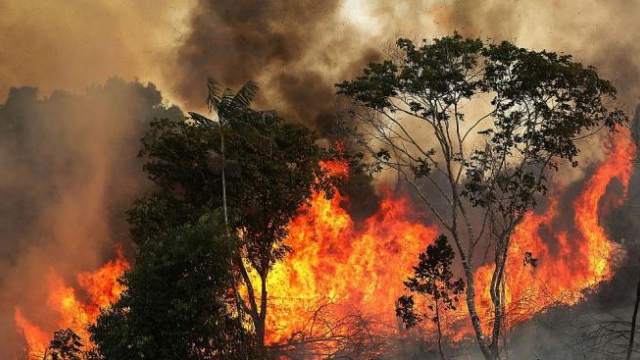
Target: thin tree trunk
point(497, 298)
point(261, 324)
point(224, 181)
point(633, 322)
point(473, 313)
point(439, 327)
point(255, 316)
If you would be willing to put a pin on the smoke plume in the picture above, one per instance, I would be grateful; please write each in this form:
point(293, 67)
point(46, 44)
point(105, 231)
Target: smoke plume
point(69, 171)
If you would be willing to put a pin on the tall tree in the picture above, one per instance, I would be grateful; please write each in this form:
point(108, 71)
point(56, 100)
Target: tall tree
point(255, 166)
point(483, 126)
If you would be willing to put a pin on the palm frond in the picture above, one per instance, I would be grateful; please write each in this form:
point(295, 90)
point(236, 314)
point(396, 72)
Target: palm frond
point(226, 108)
point(213, 96)
point(243, 98)
point(235, 108)
point(202, 120)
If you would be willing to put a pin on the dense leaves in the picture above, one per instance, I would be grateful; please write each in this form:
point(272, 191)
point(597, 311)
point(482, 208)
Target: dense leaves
point(434, 279)
point(66, 345)
point(176, 302)
point(257, 168)
point(275, 164)
point(540, 102)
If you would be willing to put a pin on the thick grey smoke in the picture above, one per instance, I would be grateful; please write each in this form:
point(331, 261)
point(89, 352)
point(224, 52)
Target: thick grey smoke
point(69, 171)
point(595, 32)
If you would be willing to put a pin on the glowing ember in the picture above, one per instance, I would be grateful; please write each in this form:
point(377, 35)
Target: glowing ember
point(101, 288)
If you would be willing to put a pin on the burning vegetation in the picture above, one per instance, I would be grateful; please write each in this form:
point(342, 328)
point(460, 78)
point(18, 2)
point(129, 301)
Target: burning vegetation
point(251, 237)
point(341, 275)
point(99, 289)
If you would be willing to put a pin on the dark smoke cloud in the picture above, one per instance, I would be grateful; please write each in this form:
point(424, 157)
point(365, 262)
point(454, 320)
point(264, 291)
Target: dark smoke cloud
point(295, 49)
point(69, 171)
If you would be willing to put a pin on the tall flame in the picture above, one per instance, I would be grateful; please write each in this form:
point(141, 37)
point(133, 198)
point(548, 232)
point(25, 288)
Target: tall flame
point(541, 273)
point(359, 267)
point(362, 266)
point(100, 288)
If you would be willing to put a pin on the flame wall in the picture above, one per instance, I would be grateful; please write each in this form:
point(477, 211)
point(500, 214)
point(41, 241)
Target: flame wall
point(360, 267)
point(67, 177)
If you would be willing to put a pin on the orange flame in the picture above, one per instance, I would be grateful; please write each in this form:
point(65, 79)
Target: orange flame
point(580, 257)
point(359, 267)
point(101, 289)
point(362, 266)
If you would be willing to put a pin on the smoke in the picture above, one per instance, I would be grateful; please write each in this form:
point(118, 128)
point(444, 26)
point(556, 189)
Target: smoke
point(68, 161)
point(69, 171)
point(70, 45)
point(296, 49)
point(595, 32)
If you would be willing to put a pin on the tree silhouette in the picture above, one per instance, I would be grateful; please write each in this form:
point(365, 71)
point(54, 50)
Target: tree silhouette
point(432, 278)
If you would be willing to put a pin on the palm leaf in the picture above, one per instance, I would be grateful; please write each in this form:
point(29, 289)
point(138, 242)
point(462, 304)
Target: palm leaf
point(243, 98)
point(213, 97)
point(226, 109)
point(202, 120)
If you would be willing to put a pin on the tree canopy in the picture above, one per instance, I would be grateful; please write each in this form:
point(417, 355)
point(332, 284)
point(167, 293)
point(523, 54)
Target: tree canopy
point(175, 305)
point(256, 167)
point(476, 128)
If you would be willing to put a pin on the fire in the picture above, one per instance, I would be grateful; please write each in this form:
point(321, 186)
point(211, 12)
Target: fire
point(361, 266)
point(100, 288)
point(340, 267)
point(541, 274)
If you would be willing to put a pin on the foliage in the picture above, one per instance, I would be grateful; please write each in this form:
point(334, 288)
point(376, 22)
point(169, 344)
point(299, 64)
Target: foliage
point(276, 165)
point(433, 278)
point(476, 129)
point(176, 302)
point(66, 345)
point(255, 166)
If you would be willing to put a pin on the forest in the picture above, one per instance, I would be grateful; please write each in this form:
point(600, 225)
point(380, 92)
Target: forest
point(272, 194)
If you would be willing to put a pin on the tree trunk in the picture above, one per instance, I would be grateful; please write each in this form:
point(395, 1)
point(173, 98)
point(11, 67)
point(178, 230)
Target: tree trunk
point(439, 327)
point(224, 181)
point(255, 315)
point(633, 322)
point(261, 323)
point(473, 313)
point(497, 299)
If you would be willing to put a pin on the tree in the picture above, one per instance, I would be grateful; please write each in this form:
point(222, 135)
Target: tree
point(476, 129)
point(432, 278)
point(255, 166)
point(176, 302)
point(66, 345)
